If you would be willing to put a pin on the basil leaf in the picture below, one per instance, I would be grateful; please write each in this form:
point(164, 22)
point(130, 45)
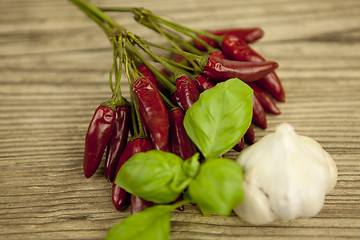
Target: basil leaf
point(217, 189)
point(191, 165)
point(152, 223)
point(221, 116)
point(155, 176)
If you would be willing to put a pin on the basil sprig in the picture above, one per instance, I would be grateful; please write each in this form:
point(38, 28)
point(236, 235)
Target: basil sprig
point(217, 189)
point(157, 176)
point(215, 123)
point(221, 116)
point(152, 223)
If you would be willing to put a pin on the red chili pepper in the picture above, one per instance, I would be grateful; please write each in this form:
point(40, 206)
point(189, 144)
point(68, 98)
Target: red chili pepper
point(138, 204)
point(181, 144)
point(117, 141)
point(239, 50)
point(207, 40)
point(144, 70)
point(259, 116)
point(248, 35)
point(249, 136)
point(186, 92)
point(219, 54)
point(97, 137)
point(271, 83)
point(176, 100)
point(240, 145)
point(265, 100)
point(178, 58)
point(119, 196)
point(165, 72)
point(222, 69)
point(202, 83)
point(153, 113)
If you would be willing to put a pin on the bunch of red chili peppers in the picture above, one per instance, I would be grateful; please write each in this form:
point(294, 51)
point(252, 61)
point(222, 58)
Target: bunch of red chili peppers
point(153, 116)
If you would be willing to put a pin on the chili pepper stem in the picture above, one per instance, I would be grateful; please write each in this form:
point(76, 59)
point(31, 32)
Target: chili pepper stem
point(179, 65)
point(181, 203)
point(137, 12)
point(161, 78)
point(133, 116)
point(177, 72)
point(117, 9)
point(139, 131)
point(167, 102)
point(99, 14)
point(118, 54)
point(136, 74)
point(109, 31)
point(111, 74)
point(185, 30)
point(161, 31)
point(192, 36)
point(187, 55)
point(172, 35)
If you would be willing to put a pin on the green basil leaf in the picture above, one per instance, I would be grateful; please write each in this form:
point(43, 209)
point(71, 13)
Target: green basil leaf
point(221, 116)
point(152, 223)
point(217, 188)
point(191, 165)
point(155, 176)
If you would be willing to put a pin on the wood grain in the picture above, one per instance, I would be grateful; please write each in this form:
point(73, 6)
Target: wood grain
point(54, 64)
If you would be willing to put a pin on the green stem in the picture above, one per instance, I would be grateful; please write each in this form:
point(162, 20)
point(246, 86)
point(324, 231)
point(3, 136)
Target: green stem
point(140, 131)
point(189, 47)
point(161, 78)
point(116, 9)
point(110, 76)
point(169, 105)
point(173, 36)
point(115, 67)
point(187, 55)
point(185, 30)
point(109, 32)
point(160, 30)
point(181, 203)
point(176, 72)
point(179, 65)
point(99, 14)
point(139, 11)
point(119, 53)
point(179, 26)
point(133, 116)
point(167, 102)
point(133, 56)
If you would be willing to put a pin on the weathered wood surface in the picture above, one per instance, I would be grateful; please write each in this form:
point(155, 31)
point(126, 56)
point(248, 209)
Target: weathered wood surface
point(54, 65)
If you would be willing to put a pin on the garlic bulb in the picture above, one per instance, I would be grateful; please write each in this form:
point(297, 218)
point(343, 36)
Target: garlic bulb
point(285, 176)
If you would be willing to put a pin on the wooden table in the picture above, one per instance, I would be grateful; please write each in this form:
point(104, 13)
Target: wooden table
point(54, 65)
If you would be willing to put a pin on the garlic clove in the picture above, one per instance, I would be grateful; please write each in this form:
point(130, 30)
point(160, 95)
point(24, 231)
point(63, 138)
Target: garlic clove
point(293, 172)
point(258, 210)
point(331, 164)
point(333, 171)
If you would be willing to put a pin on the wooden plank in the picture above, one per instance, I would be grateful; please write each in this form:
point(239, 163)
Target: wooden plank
point(54, 65)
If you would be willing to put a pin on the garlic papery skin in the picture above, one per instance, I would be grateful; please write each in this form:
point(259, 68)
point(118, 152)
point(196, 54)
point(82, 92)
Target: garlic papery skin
point(285, 176)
